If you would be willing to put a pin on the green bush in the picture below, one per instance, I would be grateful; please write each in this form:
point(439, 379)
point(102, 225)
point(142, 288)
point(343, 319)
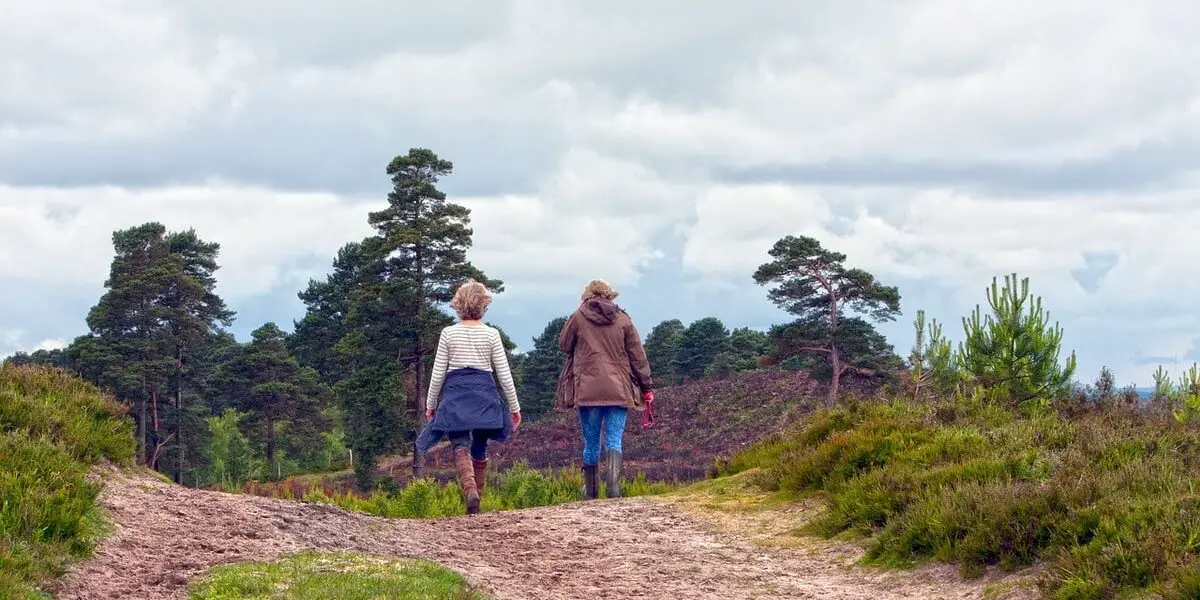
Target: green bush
point(53, 428)
point(517, 488)
point(1108, 498)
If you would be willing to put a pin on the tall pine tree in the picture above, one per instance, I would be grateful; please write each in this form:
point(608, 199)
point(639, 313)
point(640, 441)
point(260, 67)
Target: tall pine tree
point(327, 305)
point(421, 244)
point(160, 304)
point(195, 314)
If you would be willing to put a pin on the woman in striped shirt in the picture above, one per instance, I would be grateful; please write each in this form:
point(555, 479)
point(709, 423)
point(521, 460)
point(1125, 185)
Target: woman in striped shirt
point(464, 401)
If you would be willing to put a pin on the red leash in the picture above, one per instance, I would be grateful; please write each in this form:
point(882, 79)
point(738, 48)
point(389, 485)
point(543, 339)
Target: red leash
point(648, 414)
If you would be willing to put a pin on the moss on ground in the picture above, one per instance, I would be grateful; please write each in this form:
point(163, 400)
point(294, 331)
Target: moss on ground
point(333, 576)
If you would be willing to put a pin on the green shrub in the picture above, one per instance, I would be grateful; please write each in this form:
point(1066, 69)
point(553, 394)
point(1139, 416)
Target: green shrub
point(53, 428)
point(517, 488)
point(1109, 498)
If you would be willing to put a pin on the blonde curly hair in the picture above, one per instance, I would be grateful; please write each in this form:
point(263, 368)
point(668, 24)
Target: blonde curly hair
point(471, 300)
point(598, 288)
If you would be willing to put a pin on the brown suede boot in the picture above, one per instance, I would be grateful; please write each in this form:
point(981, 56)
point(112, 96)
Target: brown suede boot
point(466, 479)
point(591, 487)
point(480, 474)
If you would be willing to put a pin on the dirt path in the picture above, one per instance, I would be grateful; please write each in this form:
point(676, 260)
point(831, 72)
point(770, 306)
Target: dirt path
point(633, 548)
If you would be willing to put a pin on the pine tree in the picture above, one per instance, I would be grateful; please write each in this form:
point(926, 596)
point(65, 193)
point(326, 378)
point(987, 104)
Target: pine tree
point(50, 358)
point(160, 304)
point(327, 304)
point(932, 362)
point(195, 314)
point(540, 370)
point(815, 285)
point(699, 345)
point(421, 245)
point(1014, 351)
point(743, 351)
point(662, 344)
point(282, 400)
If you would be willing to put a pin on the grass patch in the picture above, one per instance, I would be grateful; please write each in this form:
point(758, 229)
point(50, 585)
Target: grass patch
point(735, 505)
point(517, 488)
point(53, 428)
point(333, 576)
point(1109, 499)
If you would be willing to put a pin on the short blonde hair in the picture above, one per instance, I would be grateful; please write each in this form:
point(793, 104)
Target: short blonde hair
point(599, 288)
point(471, 300)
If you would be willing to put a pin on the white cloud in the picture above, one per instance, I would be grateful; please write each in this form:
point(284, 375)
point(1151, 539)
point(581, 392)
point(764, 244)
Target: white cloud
point(956, 243)
point(90, 69)
point(65, 235)
point(631, 120)
point(947, 81)
point(735, 226)
point(8, 337)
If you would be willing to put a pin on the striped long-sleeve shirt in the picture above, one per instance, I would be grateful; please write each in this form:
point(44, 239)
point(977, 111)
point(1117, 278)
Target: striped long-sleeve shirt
point(477, 346)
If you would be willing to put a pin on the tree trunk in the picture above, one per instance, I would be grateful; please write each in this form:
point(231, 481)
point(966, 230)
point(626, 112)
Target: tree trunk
point(154, 408)
point(835, 356)
point(835, 360)
point(418, 462)
point(158, 441)
point(179, 416)
point(270, 442)
point(419, 458)
point(141, 425)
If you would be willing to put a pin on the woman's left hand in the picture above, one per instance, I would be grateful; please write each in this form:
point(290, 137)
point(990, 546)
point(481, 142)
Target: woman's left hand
point(429, 415)
point(516, 417)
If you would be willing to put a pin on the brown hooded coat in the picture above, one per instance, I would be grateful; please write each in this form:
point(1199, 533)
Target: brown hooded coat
point(606, 364)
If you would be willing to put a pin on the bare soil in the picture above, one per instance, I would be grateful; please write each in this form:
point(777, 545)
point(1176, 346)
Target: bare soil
point(166, 535)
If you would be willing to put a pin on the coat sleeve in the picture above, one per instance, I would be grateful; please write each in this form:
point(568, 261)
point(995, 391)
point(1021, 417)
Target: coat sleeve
point(638, 363)
point(566, 337)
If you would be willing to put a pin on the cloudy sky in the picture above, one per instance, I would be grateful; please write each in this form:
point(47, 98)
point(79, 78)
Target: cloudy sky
point(663, 145)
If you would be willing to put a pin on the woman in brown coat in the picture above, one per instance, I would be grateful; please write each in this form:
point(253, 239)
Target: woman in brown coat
point(606, 374)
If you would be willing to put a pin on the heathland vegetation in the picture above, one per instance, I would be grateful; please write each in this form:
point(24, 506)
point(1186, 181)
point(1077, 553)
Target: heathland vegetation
point(345, 387)
point(53, 429)
point(985, 453)
point(989, 455)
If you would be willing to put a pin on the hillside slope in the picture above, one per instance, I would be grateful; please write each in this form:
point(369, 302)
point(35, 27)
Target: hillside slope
point(53, 428)
point(695, 424)
point(164, 536)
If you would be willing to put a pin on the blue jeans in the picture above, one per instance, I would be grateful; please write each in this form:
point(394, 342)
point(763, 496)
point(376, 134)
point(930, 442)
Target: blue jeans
point(475, 439)
point(614, 430)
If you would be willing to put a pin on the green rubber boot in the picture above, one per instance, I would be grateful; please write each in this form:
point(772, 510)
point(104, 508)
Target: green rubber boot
point(613, 474)
point(591, 487)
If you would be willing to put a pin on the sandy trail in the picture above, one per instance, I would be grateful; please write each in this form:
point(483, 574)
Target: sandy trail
point(632, 548)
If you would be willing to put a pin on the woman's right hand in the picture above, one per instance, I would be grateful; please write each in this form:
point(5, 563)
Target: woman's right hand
point(429, 414)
